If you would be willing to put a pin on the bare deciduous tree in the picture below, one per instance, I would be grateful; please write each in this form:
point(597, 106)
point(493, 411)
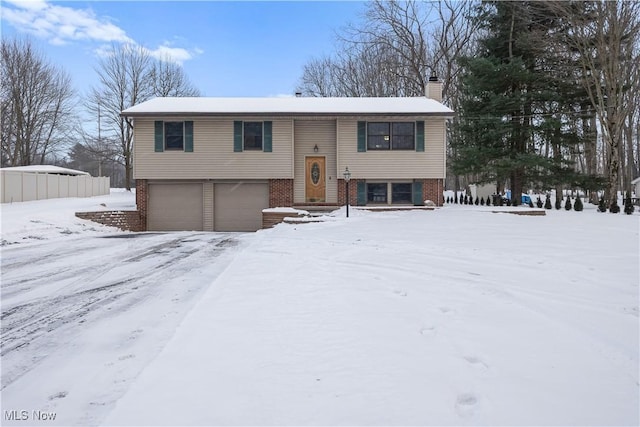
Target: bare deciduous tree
point(36, 103)
point(605, 35)
point(128, 75)
point(167, 78)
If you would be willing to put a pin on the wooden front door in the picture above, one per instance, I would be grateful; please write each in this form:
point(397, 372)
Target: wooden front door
point(315, 180)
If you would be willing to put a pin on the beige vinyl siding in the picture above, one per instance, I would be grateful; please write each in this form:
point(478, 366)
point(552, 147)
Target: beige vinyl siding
point(213, 156)
point(308, 133)
point(392, 164)
point(207, 209)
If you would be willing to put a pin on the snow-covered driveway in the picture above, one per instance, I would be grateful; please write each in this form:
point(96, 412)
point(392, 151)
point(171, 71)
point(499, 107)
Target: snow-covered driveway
point(82, 316)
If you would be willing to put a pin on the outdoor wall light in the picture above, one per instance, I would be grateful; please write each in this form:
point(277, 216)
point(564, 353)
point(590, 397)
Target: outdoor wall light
point(315, 148)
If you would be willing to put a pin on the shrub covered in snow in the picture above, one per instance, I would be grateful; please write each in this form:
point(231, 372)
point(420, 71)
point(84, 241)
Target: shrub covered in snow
point(547, 202)
point(567, 204)
point(577, 206)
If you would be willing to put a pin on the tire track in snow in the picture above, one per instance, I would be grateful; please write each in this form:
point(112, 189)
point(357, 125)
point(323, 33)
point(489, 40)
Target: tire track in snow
point(30, 328)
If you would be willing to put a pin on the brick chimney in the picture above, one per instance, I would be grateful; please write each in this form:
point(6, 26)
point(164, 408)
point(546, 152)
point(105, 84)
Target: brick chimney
point(434, 87)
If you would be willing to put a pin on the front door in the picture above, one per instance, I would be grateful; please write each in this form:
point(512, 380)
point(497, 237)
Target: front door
point(315, 180)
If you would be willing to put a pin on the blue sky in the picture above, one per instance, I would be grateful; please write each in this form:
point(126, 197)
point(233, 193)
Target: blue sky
point(226, 48)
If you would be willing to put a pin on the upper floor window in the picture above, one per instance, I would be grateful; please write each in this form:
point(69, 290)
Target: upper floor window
point(390, 136)
point(174, 135)
point(252, 134)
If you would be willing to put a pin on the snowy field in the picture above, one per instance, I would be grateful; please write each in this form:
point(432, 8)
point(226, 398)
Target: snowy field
point(457, 316)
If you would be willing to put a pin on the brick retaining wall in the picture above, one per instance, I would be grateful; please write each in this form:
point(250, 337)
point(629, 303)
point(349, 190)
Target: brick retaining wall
point(124, 220)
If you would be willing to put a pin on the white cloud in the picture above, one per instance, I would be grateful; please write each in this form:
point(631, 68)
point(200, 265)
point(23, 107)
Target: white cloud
point(61, 25)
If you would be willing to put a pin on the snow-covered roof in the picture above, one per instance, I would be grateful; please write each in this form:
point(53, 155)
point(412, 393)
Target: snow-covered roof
point(289, 106)
point(46, 169)
point(635, 181)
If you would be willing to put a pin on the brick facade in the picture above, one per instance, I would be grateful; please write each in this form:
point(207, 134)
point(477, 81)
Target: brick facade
point(280, 193)
point(432, 190)
point(141, 202)
point(353, 191)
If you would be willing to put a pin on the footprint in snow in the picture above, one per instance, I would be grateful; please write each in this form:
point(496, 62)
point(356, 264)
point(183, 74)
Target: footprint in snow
point(447, 310)
point(428, 331)
point(59, 395)
point(127, 356)
point(476, 362)
point(466, 404)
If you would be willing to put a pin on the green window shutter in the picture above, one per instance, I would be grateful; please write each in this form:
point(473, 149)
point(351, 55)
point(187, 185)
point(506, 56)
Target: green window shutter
point(188, 137)
point(159, 136)
point(420, 136)
point(362, 137)
point(362, 193)
point(266, 143)
point(237, 136)
point(417, 193)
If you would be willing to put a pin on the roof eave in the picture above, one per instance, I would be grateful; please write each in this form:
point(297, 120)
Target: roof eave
point(284, 114)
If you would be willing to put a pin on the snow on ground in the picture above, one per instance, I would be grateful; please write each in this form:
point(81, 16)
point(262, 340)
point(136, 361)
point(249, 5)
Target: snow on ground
point(86, 307)
point(453, 317)
point(457, 316)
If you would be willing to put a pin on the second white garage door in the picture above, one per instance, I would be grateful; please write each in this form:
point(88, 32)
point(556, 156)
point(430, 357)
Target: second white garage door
point(238, 206)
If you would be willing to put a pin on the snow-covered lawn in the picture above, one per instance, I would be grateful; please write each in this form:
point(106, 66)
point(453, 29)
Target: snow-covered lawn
point(457, 316)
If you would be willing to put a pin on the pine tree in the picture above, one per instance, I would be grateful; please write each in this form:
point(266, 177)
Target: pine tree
point(488, 200)
point(531, 203)
point(601, 205)
point(577, 206)
point(567, 204)
point(547, 203)
point(456, 198)
point(558, 204)
point(477, 201)
point(614, 208)
point(481, 201)
point(539, 202)
point(628, 205)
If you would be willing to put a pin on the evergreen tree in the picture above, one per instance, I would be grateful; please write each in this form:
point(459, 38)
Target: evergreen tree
point(567, 204)
point(628, 205)
point(488, 200)
point(614, 208)
point(601, 205)
point(456, 197)
point(531, 203)
point(481, 201)
point(577, 206)
point(539, 202)
point(547, 202)
point(477, 201)
point(558, 203)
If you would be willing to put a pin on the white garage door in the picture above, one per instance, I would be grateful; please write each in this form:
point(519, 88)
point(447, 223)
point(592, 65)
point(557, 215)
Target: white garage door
point(238, 206)
point(174, 207)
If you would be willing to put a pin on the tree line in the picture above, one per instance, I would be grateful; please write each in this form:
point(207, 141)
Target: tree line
point(546, 94)
point(40, 119)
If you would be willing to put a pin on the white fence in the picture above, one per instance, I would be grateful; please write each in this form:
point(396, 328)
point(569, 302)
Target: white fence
point(24, 186)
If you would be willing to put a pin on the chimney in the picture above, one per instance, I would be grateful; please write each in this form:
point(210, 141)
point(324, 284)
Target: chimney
point(434, 87)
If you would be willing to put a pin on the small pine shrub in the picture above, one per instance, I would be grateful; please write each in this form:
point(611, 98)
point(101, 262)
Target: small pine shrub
point(547, 203)
point(466, 200)
point(531, 203)
point(558, 204)
point(508, 202)
point(488, 200)
point(577, 206)
point(481, 201)
point(601, 205)
point(538, 202)
point(477, 201)
point(456, 198)
point(628, 205)
point(614, 208)
point(567, 204)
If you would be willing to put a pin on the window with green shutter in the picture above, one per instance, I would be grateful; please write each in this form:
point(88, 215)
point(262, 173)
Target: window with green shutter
point(420, 136)
point(188, 137)
point(252, 136)
point(159, 136)
point(362, 193)
point(362, 137)
point(173, 136)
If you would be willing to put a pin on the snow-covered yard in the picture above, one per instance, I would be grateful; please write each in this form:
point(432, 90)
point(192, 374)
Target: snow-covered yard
point(456, 316)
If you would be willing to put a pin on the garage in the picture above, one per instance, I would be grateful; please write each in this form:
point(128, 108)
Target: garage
point(238, 206)
point(175, 207)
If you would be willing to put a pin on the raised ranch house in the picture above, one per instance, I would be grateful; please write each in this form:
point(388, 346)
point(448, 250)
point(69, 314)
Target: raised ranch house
point(214, 164)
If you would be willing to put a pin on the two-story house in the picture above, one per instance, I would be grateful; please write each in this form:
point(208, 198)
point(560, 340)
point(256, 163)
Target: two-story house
point(214, 164)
